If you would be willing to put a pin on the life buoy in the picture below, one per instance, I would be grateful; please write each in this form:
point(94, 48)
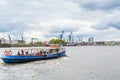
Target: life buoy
point(8, 53)
point(5, 53)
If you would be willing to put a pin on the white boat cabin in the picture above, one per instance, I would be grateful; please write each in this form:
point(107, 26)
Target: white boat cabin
point(35, 51)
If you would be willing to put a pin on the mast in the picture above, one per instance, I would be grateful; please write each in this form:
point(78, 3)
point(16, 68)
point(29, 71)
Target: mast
point(10, 39)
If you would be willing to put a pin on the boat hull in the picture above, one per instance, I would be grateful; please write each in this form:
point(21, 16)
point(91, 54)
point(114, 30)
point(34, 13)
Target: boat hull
point(27, 58)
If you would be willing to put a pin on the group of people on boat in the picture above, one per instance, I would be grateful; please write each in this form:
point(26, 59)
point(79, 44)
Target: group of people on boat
point(35, 52)
point(38, 53)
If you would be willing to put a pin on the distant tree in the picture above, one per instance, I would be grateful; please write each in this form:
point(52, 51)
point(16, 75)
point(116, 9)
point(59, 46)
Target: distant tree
point(57, 41)
point(38, 43)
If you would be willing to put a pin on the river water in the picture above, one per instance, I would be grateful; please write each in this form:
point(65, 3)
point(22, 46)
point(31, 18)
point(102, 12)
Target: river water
point(81, 63)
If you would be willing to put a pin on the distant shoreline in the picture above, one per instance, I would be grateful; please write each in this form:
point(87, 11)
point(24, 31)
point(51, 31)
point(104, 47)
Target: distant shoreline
point(33, 45)
point(19, 45)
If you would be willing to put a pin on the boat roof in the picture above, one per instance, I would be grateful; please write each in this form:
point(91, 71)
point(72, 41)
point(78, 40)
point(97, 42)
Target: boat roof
point(36, 48)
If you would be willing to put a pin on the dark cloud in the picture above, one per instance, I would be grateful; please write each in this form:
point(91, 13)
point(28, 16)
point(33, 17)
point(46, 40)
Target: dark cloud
point(96, 5)
point(13, 27)
point(115, 25)
point(107, 26)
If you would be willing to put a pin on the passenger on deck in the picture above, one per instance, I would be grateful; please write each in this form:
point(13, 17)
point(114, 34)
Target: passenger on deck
point(40, 52)
point(57, 50)
point(44, 53)
point(22, 52)
point(18, 53)
point(50, 50)
point(26, 52)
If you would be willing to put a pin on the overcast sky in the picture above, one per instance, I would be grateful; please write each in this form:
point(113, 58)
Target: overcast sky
point(45, 19)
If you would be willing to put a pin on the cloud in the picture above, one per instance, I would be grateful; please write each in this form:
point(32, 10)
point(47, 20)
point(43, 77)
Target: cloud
point(115, 25)
point(95, 5)
point(45, 19)
point(107, 34)
point(111, 20)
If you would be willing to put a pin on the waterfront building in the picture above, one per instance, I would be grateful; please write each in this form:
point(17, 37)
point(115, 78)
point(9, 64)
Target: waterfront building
point(3, 41)
point(91, 40)
point(17, 41)
point(34, 40)
point(62, 37)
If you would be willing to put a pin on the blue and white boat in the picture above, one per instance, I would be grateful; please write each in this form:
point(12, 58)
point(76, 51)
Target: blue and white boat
point(26, 55)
